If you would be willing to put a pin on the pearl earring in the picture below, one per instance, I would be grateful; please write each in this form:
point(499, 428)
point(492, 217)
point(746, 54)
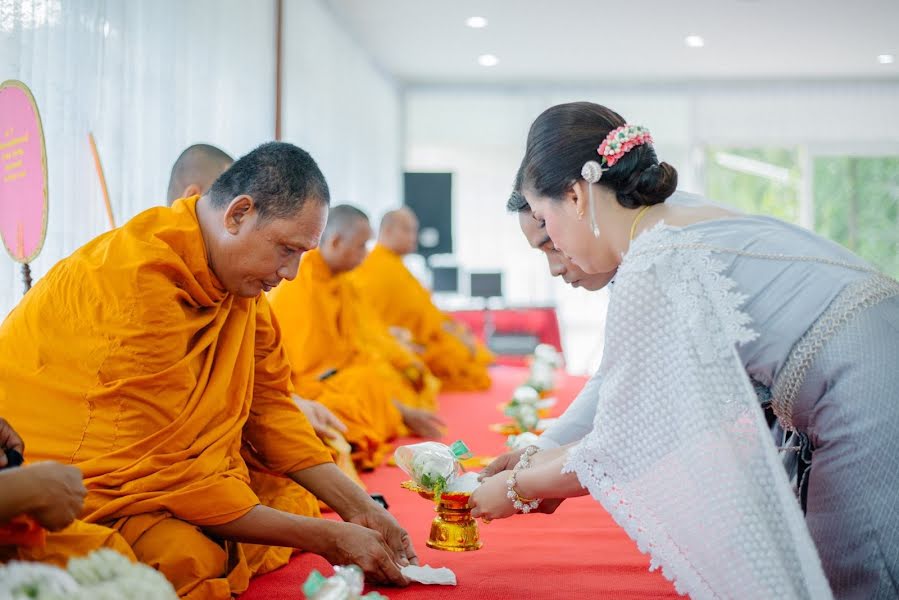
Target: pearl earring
point(592, 173)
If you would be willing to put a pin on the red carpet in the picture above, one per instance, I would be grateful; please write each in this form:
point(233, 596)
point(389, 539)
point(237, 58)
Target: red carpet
point(578, 552)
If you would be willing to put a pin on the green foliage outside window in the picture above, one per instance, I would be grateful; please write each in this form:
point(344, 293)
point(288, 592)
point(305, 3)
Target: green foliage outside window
point(856, 199)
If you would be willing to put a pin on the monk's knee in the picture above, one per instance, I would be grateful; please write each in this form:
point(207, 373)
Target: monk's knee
point(183, 553)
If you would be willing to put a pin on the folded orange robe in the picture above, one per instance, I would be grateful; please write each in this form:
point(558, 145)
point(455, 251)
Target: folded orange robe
point(128, 360)
point(400, 300)
point(324, 329)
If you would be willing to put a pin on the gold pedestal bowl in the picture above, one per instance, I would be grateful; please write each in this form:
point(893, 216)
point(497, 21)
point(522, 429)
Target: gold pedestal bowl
point(453, 529)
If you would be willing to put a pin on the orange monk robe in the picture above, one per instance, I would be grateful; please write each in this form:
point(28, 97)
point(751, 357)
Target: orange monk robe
point(129, 361)
point(401, 301)
point(324, 331)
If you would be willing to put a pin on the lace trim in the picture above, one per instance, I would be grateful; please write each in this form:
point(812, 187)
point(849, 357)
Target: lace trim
point(707, 301)
point(851, 301)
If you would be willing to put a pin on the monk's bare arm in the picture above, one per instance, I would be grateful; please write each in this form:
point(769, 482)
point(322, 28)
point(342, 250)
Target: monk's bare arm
point(329, 484)
point(351, 502)
point(339, 543)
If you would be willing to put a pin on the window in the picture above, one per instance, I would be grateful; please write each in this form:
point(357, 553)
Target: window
point(854, 199)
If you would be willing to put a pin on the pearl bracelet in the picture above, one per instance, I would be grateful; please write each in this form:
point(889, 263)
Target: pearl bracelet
point(525, 505)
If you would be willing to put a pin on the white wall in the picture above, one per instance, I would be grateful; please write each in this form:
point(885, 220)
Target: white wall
point(479, 135)
point(341, 108)
point(150, 77)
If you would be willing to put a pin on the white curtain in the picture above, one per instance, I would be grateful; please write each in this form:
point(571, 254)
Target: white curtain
point(148, 78)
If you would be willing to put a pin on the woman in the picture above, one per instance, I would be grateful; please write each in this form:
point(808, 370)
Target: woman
point(707, 305)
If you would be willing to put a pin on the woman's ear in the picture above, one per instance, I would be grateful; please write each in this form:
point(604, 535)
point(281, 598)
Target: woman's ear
point(577, 193)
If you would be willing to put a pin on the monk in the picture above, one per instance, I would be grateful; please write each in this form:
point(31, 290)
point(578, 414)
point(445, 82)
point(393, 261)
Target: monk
point(342, 354)
point(195, 170)
point(193, 174)
point(150, 360)
point(449, 351)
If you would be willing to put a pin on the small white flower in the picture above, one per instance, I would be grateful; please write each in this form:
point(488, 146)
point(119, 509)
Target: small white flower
point(525, 394)
point(548, 354)
point(542, 376)
point(522, 440)
point(21, 580)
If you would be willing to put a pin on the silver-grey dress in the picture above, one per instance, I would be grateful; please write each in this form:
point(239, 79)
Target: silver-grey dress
point(828, 350)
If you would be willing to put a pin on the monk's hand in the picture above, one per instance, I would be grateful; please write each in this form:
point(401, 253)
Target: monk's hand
point(423, 423)
point(367, 548)
point(57, 495)
point(489, 501)
point(9, 440)
point(323, 421)
point(506, 462)
point(397, 538)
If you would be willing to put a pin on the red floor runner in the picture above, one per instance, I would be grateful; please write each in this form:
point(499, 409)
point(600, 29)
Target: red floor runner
point(578, 552)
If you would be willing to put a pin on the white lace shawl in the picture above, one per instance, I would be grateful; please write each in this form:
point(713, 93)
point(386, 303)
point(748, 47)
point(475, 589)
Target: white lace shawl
point(680, 454)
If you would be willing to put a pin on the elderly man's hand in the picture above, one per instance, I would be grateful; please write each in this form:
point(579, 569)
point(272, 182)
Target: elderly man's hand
point(378, 519)
point(354, 544)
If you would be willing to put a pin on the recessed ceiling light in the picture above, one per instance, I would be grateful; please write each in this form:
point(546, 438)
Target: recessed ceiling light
point(694, 41)
point(476, 22)
point(488, 60)
point(886, 59)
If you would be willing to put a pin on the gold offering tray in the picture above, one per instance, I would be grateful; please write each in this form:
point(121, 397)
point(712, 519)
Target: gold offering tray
point(453, 529)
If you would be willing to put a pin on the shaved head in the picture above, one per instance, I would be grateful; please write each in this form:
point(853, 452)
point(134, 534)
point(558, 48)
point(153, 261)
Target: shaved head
point(195, 171)
point(399, 231)
point(343, 245)
point(342, 219)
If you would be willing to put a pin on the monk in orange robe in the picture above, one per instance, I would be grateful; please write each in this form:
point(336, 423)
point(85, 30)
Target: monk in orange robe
point(194, 172)
point(448, 349)
point(342, 354)
point(150, 360)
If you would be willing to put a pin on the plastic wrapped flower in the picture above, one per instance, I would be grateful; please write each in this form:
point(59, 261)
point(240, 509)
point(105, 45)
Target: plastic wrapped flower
point(547, 353)
point(527, 417)
point(542, 377)
point(347, 583)
point(525, 394)
point(522, 440)
point(431, 465)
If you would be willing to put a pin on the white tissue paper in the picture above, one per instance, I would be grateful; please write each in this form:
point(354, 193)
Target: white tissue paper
point(429, 575)
point(463, 483)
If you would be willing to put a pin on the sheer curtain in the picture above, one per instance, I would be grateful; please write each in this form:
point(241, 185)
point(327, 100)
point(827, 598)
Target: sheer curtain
point(148, 79)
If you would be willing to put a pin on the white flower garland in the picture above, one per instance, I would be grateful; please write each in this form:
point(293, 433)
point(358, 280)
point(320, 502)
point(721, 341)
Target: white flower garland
point(101, 575)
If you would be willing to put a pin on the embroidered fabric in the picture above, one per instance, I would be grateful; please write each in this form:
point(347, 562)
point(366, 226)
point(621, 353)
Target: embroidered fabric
point(847, 304)
point(680, 454)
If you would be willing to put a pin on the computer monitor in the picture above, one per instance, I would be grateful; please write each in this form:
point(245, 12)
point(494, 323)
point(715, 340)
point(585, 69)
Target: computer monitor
point(445, 279)
point(486, 285)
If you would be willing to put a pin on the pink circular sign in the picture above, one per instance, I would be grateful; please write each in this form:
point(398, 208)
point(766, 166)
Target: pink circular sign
point(23, 173)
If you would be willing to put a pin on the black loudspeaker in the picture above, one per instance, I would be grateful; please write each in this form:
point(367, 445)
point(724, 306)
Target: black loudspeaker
point(430, 196)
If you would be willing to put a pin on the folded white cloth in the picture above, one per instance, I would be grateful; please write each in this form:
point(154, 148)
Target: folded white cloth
point(429, 575)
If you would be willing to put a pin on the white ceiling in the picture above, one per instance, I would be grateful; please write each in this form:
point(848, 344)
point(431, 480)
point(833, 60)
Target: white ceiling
point(626, 41)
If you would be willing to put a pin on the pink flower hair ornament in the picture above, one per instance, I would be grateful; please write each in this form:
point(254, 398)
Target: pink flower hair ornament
point(622, 140)
point(619, 142)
